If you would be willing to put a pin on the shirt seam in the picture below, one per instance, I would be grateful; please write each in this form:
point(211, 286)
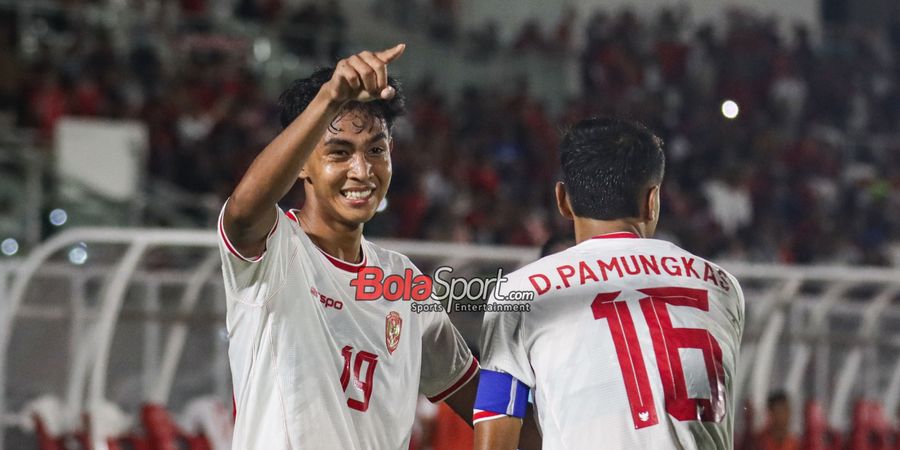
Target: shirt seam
point(278, 386)
point(229, 246)
point(470, 361)
point(275, 290)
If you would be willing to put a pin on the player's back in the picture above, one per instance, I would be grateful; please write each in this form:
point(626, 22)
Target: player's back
point(630, 343)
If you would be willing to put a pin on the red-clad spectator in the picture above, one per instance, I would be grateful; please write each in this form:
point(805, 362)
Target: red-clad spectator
point(49, 103)
point(776, 435)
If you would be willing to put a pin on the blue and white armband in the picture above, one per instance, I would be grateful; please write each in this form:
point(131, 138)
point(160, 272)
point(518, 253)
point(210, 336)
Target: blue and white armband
point(499, 394)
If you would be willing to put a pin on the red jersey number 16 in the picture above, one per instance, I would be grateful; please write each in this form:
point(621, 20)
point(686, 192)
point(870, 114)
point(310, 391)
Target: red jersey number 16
point(667, 341)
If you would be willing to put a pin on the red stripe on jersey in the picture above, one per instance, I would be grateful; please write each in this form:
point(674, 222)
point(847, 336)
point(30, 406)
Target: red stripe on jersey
point(617, 235)
point(631, 360)
point(470, 372)
point(340, 264)
point(344, 265)
point(231, 247)
point(486, 415)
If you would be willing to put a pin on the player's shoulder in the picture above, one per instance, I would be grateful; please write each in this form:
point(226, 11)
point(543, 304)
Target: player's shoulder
point(676, 250)
point(290, 218)
point(519, 278)
point(389, 260)
point(590, 248)
point(609, 251)
point(733, 284)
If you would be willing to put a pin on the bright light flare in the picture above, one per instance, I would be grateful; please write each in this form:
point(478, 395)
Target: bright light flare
point(58, 217)
point(730, 109)
point(78, 255)
point(9, 246)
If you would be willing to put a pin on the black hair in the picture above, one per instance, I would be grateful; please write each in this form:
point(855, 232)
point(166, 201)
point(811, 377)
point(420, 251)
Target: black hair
point(607, 164)
point(775, 398)
point(301, 92)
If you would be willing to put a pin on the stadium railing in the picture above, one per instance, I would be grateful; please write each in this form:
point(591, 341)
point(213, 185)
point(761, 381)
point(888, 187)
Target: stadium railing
point(21, 188)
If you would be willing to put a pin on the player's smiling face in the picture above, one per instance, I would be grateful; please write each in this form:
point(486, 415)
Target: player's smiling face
point(349, 171)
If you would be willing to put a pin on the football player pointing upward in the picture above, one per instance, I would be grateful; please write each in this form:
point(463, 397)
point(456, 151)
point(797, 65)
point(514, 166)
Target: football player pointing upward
point(312, 367)
point(631, 342)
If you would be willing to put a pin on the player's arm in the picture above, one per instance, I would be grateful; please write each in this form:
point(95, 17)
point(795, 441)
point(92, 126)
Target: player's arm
point(530, 437)
point(503, 418)
point(509, 433)
point(498, 434)
point(461, 403)
point(250, 213)
point(462, 400)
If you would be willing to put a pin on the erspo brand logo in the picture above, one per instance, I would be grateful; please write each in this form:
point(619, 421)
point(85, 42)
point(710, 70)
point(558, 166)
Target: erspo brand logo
point(326, 300)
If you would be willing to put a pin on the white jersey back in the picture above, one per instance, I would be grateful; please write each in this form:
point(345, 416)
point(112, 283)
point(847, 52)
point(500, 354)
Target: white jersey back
point(315, 369)
point(630, 343)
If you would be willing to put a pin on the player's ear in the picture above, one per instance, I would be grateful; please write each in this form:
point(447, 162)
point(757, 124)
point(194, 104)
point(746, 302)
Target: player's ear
point(304, 174)
point(562, 201)
point(651, 204)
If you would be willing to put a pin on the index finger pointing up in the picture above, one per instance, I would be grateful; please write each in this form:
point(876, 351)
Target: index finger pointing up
point(391, 54)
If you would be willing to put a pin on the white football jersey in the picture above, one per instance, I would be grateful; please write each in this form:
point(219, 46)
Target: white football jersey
point(312, 367)
point(629, 344)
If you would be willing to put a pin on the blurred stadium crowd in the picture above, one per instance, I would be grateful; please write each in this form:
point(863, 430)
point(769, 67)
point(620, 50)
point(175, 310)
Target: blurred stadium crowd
point(808, 172)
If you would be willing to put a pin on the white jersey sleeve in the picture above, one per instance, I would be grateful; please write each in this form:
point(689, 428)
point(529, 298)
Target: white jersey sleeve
point(506, 375)
point(447, 363)
point(740, 310)
point(254, 279)
point(502, 346)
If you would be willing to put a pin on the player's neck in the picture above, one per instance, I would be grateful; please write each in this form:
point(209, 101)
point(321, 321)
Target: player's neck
point(588, 228)
point(339, 240)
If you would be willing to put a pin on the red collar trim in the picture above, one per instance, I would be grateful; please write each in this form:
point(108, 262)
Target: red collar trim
point(618, 235)
point(339, 263)
point(344, 265)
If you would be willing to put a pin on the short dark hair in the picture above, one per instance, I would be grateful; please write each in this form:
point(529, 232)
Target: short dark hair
point(606, 165)
point(301, 92)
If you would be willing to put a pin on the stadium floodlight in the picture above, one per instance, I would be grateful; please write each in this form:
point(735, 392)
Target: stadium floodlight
point(730, 109)
point(9, 246)
point(78, 255)
point(58, 217)
point(262, 49)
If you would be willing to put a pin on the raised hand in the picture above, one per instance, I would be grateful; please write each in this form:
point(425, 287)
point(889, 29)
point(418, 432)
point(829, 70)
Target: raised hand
point(363, 76)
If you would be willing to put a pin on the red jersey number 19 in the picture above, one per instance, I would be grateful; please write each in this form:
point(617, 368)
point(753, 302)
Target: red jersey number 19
point(363, 382)
point(667, 341)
